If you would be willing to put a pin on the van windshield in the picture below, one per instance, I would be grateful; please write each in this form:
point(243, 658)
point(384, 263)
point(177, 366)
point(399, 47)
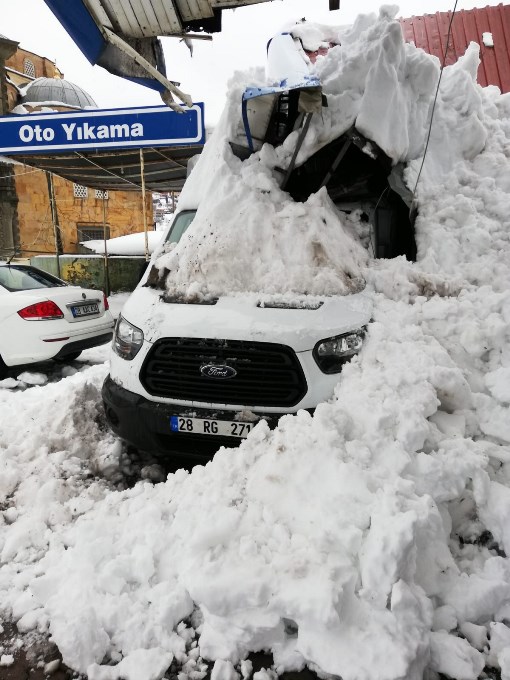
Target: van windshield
point(179, 225)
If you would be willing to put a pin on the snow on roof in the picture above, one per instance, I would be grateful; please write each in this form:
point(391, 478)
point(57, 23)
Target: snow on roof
point(42, 90)
point(368, 540)
point(130, 244)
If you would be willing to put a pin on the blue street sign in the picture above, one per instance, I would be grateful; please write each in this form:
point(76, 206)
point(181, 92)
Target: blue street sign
point(101, 129)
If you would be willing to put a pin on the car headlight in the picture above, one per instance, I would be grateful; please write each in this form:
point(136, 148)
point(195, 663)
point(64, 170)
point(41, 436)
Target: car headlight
point(331, 354)
point(127, 339)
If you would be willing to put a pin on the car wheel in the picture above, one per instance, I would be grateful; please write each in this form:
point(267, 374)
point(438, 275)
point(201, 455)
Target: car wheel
point(3, 369)
point(67, 358)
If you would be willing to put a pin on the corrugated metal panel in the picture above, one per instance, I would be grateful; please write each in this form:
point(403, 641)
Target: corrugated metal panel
point(430, 32)
point(231, 4)
point(191, 10)
point(151, 18)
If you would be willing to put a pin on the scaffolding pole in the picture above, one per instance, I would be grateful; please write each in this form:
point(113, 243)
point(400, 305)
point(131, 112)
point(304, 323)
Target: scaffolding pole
point(54, 218)
point(146, 235)
point(105, 255)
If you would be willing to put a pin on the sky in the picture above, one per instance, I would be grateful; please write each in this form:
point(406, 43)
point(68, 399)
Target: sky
point(204, 76)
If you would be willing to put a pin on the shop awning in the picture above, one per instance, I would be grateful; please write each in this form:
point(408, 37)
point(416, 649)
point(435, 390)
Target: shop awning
point(164, 168)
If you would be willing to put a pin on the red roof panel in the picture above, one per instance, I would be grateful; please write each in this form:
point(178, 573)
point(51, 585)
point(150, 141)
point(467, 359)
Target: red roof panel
point(430, 32)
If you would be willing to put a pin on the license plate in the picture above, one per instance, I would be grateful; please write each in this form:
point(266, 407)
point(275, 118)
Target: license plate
point(223, 428)
point(85, 310)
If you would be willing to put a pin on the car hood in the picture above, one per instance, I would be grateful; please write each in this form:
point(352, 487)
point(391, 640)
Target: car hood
point(298, 321)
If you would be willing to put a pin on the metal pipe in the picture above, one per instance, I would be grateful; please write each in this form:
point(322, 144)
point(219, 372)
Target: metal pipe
point(105, 255)
point(54, 218)
point(144, 209)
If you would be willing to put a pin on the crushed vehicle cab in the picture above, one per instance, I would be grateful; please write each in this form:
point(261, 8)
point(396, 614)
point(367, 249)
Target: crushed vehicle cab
point(191, 370)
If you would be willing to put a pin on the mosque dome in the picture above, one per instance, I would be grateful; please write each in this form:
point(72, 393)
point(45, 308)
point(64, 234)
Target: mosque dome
point(56, 90)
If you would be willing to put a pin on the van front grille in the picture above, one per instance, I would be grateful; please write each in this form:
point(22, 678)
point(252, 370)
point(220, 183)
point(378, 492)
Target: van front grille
point(267, 374)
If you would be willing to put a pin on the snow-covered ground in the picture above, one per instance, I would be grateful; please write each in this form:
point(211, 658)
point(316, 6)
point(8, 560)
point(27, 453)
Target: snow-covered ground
point(368, 541)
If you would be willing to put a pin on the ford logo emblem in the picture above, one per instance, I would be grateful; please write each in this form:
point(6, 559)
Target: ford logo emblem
point(220, 372)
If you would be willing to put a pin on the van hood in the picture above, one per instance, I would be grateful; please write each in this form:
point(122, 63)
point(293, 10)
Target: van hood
point(297, 321)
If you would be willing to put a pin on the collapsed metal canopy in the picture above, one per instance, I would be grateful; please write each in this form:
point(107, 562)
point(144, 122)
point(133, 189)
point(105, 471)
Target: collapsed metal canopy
point(122, 35)
point(164, 168)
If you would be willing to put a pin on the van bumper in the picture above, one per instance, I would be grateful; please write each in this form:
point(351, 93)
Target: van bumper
point(146, 424)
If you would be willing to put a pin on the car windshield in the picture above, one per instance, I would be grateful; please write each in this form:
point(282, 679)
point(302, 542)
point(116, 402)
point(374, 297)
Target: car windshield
point(179, 225)
point(20, 277)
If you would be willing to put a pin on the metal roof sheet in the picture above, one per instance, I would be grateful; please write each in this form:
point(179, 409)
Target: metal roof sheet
point(430, 32)
point(164, 168)
point(152, 18)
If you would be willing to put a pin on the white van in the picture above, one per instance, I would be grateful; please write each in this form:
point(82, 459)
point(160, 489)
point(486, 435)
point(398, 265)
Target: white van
point(206, 369)
point(186, 372)
point(186, 378)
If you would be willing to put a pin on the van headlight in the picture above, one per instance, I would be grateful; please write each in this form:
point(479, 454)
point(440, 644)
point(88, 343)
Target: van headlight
point(127, 339)
point(331, 354)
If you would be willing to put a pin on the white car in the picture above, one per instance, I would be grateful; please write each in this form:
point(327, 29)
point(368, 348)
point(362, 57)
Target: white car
point(42, 317)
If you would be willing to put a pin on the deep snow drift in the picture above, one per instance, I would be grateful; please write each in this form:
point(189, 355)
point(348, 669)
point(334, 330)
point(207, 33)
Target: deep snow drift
point(368, 541)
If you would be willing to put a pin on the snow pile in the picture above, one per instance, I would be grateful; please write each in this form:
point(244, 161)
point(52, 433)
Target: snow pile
point(269, 242)
point(131, 244)
point(369, 541)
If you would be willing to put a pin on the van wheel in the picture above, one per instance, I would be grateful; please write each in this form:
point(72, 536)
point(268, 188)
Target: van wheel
point(67, 358)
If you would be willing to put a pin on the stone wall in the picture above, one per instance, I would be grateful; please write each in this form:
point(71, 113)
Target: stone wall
point(124, 214)
point(9, 234)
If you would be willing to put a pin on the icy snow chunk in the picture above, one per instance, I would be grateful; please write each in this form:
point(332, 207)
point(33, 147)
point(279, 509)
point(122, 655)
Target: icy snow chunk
point(140, 664)
point(494, 418)
point(475, 635)
point(476, 597)
point(452, 425)
point(223, 670)
point(498, 382)
point(487, 39)
point(499, 641)
point(6, 660)
point(455, 657)
point(52, 667)
point(82, 649)
point(445, 618)
point(26, 534)
point(494, 510)
point(33, 378)
point(9, 383)
point(246, 668)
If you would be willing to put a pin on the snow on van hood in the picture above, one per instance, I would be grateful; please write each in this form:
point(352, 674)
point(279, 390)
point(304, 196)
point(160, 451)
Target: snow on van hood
point(291, 320)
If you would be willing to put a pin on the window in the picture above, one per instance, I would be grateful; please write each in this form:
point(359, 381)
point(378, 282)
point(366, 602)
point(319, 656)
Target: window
point(80, 191)
point(29, 68)
point(102, 194)
point(20, 277)
point(92, 232)
point(179, 225)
